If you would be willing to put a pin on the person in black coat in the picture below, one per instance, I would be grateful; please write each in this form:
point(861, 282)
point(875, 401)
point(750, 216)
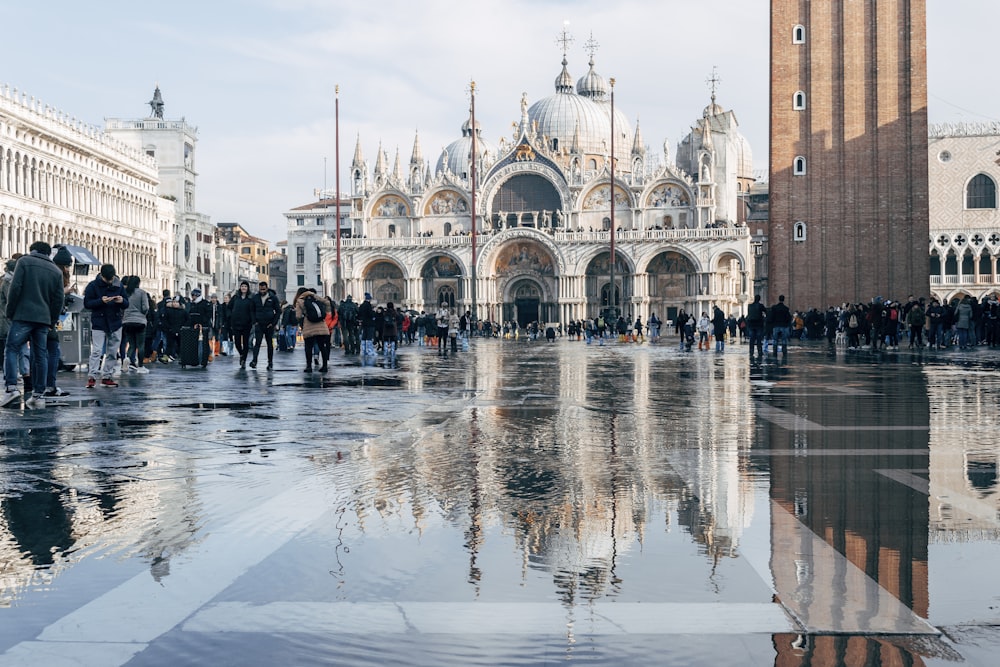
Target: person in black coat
point(241, 320)
point(266, 313)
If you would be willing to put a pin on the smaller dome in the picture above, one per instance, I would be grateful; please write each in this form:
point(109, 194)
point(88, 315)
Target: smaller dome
point(457, 155)
point(592, 84)
point(564, 82)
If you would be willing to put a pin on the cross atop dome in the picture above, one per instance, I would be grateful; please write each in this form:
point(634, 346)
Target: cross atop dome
point(565, 39)
point(591, 46)
point(713, 82)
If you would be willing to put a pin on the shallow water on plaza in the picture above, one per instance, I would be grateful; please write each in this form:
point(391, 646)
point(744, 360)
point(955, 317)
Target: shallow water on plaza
point(518, 504)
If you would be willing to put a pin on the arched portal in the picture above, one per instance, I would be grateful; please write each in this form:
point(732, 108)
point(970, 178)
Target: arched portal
point(599, 297)
point(442, 281)
point(526, 277)
point(671, 285)
point(524, 304)
point(384, 280)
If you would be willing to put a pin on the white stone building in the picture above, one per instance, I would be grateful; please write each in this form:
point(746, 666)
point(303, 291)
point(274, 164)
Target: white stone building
point(62, 181)
point(964, 214)
point(309, 226)
point(542, 202)
point(190, 238)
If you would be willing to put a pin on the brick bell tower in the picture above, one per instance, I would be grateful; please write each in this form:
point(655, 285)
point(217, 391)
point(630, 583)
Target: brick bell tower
point(848, 155)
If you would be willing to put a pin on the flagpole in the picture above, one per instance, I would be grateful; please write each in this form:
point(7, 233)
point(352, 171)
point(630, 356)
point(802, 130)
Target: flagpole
point(475, 232)
point(338, 290)
point(612, 300)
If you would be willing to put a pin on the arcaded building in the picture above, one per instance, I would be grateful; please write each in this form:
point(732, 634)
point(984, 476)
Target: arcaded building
point(848, 158)
point(543, 208)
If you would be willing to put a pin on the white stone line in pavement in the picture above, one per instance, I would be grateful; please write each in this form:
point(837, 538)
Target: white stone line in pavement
point(957, 500)
point(834, 452)
point(793, 422)
point(69, 654)
point(826, 592)
point(906, 478)
point(484, 618)
point(141, 609)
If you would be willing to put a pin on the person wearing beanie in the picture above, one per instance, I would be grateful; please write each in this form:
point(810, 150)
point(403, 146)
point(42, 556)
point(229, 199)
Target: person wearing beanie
point(134, 326)
point(106, 300)
point(33, 305)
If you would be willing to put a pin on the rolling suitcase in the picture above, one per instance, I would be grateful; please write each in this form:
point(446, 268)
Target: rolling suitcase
point(193, 348)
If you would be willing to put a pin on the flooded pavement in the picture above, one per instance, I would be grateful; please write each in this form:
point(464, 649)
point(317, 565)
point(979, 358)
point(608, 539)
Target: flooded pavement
point(521, 503)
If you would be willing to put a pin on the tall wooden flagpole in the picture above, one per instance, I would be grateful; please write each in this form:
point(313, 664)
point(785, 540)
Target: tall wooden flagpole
point(475, 231)
point(613, 301)
point(339, 291)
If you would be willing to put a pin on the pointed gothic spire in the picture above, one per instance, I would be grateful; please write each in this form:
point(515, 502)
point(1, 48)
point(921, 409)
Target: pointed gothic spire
point(381, 168)
point(576, 139)
point(397, 169)
point(638, 147)
point(416, 158)
point(358, 160)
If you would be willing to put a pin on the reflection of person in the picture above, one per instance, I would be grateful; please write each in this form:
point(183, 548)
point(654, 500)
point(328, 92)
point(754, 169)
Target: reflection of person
point(106, 300)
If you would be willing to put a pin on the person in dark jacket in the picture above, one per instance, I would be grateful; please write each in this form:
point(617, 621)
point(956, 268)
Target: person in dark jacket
point(241, 319)
point(755, 317)
point(781, 324)
point(266, 313)
point(106, 300)
point(34, 302)
point(199, 318)
point(719, 329)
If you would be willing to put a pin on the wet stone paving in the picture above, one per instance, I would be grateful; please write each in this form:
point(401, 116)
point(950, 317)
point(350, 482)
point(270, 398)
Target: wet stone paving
point(517, 503)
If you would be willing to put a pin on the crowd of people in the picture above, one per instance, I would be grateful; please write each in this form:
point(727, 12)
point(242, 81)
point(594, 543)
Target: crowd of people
point(131, 329)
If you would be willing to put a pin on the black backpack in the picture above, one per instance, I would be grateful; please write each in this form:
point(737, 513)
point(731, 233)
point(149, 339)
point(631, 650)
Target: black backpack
point(314, 309)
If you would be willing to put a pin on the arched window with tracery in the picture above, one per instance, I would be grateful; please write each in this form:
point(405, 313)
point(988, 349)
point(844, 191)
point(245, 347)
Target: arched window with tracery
point(981, 192)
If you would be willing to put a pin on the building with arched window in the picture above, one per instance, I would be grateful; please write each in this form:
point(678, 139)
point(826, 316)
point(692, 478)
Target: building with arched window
point(965, 218)
point(62, 181)
point(542, 205)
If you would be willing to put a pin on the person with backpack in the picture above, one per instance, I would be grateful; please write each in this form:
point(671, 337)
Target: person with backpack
point(915, 319)
point(853, 325)
point(310, 311)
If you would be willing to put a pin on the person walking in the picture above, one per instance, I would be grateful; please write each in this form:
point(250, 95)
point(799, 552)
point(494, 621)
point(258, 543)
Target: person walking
point(266, 312)
point(756, 312)
point(134, 326)
point(35, 300)
point(781, 324)
point(241, 320)
point(105, 298)
point(310, 312)
point(719, 329)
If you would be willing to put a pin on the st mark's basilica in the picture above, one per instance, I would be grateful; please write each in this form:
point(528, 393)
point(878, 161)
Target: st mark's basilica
point(543, 208)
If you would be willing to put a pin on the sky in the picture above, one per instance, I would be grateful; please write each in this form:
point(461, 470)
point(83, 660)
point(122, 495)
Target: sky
point(257, 77)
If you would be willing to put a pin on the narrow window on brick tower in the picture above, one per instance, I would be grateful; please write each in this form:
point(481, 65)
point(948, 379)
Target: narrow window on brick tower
point(799, 35)
point(799, 166)
point(800, 231)
point(799, 101)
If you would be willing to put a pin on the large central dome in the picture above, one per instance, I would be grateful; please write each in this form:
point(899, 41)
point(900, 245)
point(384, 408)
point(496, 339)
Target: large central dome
point(562, 116)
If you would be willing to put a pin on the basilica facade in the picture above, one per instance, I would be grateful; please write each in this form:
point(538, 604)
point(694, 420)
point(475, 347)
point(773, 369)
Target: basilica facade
point(540, 204)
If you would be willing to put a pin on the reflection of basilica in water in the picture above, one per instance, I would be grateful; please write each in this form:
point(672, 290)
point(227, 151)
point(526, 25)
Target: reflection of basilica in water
point(575, 490)
point(543, 211)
